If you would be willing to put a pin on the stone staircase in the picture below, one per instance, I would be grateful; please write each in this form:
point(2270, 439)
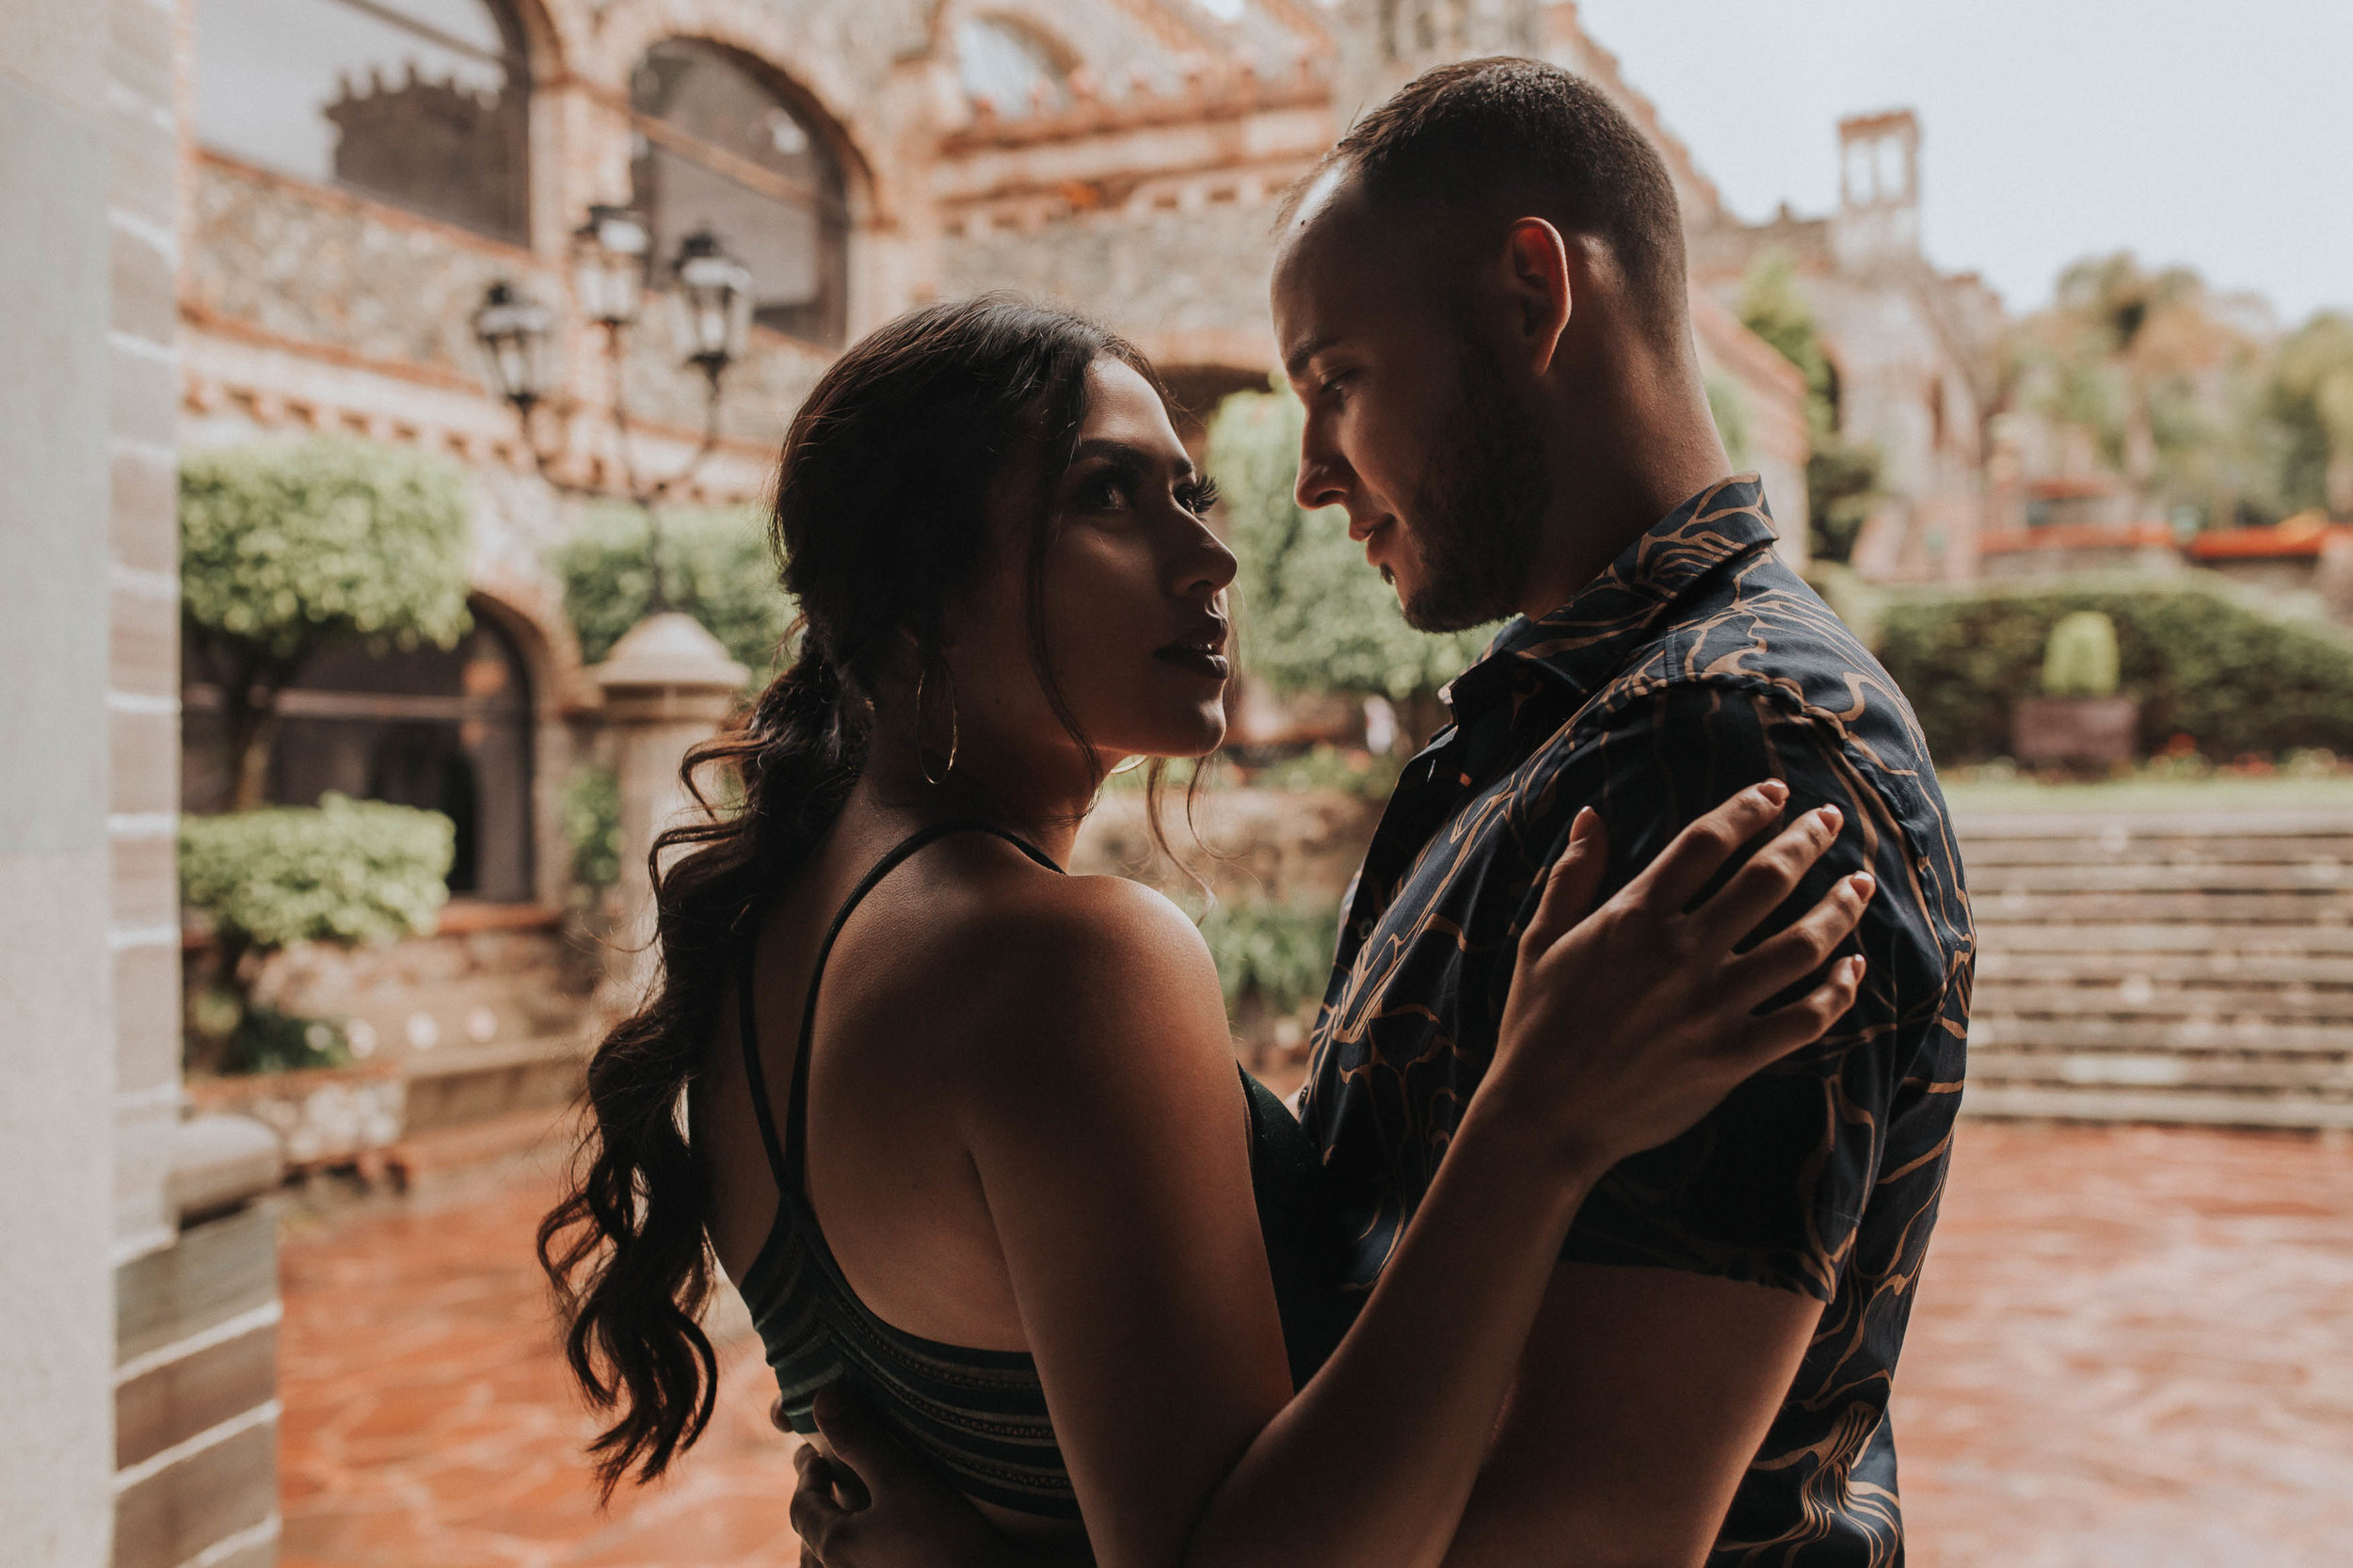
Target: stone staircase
point(2167, 967)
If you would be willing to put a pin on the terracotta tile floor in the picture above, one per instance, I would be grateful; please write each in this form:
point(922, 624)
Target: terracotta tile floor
point(2133, 1348)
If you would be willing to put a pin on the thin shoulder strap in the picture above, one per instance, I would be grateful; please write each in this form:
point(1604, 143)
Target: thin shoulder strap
point(788, 1159)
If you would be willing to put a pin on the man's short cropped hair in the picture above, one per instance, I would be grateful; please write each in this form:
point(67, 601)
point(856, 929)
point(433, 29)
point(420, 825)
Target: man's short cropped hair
point(1530, 133)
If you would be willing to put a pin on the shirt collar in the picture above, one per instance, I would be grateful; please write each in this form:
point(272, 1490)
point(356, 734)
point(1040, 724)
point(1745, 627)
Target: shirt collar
point(1584, 641)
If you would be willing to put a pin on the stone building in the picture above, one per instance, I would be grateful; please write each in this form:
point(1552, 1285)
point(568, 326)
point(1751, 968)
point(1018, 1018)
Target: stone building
point(1913, 352)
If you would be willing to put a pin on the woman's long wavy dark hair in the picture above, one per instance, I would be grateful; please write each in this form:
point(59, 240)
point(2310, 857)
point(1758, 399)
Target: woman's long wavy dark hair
point(880, 521)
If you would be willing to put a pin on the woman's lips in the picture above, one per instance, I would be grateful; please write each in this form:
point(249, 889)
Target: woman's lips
point(1200, 661)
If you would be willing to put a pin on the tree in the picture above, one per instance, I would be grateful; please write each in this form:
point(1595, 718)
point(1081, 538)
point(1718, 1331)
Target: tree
point(1842, 476)
point(715, 566)
point(1313, 616)
point(2164, 380)
point(286, 548)
point(2311, 397)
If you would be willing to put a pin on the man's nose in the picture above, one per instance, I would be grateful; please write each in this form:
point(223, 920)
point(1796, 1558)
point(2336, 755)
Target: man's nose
point(1321, 479)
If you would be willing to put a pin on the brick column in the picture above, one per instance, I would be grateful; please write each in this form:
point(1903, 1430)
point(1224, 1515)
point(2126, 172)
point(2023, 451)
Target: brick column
point(196, 1306)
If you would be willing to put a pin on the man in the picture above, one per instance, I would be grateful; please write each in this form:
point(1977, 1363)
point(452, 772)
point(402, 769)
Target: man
point(1481, 299)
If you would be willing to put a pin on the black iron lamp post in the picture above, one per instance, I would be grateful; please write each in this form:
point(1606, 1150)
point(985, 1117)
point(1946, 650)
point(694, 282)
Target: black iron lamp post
point(609, 262)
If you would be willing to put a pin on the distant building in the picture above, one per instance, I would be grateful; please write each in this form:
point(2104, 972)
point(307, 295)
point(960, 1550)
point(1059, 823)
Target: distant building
point(1912, 350)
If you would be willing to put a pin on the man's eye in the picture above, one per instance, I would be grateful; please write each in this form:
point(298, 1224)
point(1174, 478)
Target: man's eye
point(1335, 384)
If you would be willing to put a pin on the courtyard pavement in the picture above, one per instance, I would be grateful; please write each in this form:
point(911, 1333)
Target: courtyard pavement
point(2133, 1349)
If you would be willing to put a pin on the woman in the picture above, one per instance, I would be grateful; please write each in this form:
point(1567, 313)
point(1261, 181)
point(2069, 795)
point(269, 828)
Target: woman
point(997, 1174)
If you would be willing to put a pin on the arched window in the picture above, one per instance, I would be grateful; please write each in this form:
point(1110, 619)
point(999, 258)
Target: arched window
point(1010, 67)
point(423, 104)
point(719, 148)
point(448, 729)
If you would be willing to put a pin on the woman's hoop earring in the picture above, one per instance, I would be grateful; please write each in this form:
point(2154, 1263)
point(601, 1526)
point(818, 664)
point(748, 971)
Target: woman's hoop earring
point(1131, 765)
point(922, 760)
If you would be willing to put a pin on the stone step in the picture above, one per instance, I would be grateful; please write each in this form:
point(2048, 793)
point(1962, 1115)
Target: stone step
point(2282, 906)
point(2094, 848)
point(2153, 1104)
point(2138, 996)
point(2162, 967)
point(2134, 940)
point(2326, 1078)
point(2199, 969)
point(1990, 1027)
point(2306, 877)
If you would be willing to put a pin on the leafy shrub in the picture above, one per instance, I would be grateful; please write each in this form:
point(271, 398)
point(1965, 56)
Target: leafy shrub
point(2204, 662)
point(592, 825)
point(1313, 616)
point(1280, 954)
point(287, 548)
point(1365, 774)
point(715, 566)
point(343, 871)
point(2080, 660)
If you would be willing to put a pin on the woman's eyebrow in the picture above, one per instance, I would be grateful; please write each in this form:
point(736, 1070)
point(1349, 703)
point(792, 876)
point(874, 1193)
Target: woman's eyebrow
point(1132, 460)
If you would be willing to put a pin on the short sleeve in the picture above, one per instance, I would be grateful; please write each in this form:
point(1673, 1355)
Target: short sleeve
point(1771, 1186)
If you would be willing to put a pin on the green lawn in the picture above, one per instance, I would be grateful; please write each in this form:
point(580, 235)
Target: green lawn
point(2223, 793)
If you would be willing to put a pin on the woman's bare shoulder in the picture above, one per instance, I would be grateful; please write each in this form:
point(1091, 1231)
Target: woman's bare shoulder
point(1044, 970)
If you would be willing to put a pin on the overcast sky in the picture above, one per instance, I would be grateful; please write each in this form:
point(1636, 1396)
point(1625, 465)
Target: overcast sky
point(2218, 133)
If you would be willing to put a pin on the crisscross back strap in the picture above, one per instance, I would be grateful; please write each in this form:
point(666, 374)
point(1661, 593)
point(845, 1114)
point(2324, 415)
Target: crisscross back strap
point(788, 1159)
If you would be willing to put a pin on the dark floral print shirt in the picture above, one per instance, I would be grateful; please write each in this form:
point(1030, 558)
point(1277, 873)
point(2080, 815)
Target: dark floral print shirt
point(1696, 665)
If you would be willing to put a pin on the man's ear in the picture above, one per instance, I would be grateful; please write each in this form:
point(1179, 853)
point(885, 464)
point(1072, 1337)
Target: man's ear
point(1536, 260)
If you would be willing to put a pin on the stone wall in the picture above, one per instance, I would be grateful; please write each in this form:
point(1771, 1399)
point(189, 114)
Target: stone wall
point(1165, 275)
point(56, 1009)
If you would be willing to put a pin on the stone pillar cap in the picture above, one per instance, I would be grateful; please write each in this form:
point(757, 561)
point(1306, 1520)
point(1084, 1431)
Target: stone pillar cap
point(220, 1161)
point(670, 649)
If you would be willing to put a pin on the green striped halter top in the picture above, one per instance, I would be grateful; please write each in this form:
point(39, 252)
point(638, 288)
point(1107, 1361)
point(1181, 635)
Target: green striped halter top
point(980, 1414)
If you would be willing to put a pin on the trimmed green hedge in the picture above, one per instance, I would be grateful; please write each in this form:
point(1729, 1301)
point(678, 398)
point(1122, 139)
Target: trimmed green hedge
point(343, 871)
point(286, 546)
point(2204, 661)
point(715, 566)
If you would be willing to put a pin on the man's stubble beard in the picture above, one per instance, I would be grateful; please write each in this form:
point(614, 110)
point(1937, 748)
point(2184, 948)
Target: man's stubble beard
point(1478, 512)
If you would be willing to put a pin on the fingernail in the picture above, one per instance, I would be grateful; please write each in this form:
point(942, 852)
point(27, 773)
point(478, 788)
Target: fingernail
point(1863, 883)
point(1583, 826)
point(1774, 791)
point(1854, 967)
point(1832, 816)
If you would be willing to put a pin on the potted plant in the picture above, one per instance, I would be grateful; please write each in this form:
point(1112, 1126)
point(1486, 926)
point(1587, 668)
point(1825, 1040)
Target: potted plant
point(2080, 719)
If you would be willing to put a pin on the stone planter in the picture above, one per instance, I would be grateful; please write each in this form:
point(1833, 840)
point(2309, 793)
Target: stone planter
point(2097, 731)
